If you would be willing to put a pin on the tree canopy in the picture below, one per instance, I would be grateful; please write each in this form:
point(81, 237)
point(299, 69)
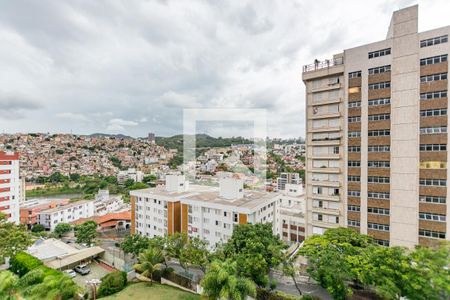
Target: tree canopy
point(13, 238)
point(86, 232)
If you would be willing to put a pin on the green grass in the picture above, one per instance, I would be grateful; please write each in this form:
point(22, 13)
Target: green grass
point(155, 291)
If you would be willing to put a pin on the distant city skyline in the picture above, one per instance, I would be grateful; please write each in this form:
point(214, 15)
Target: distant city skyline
point(106, 67)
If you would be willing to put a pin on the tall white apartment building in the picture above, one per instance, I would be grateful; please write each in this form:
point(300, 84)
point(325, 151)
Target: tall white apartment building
point(71, 212)
point(377, 137)
point(210, 213)
point(11, 190)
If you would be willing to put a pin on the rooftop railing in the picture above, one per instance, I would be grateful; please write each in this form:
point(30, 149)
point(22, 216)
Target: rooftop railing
point(317, 65)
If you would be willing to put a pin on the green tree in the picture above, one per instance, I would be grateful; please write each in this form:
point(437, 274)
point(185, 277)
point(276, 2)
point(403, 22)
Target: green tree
point(57, 286)
point(138, 186)
point(149, 178)
point(290, 268)
point(195, 253)
point(112, 283)
point(62, 228)
point(74, 177)
point(37, 228)
point(149, 261)
point(86, 232)
point(134, 244)
point(222, 281)
point(175, 244)
point(256, 250)
point(128, 183)
point(8, 284)
point(13, 238)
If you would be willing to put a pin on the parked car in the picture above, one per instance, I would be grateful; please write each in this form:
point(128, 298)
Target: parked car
point(82, 269)
point(71, 273)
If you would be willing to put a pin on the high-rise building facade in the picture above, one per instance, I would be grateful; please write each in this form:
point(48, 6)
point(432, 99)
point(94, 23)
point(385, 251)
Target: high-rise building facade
point(10, 185)
point(377, 137)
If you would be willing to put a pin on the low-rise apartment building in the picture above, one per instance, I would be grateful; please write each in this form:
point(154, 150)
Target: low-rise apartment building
point(29, 209)
point(203, 211)
point(49, 218)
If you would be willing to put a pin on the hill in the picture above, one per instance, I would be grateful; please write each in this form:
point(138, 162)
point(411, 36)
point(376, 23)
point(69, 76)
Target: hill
point(202, 141)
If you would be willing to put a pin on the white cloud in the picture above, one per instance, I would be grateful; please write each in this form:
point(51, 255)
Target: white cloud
point(72, 116)
point(119, 124)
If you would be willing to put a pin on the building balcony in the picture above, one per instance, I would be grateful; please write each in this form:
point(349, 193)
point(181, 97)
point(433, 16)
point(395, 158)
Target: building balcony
point(326, 170)
point(325, 116)
point(325, 129)
point(326, 183)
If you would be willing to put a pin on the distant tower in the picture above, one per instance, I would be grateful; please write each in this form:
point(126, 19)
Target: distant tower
point(151, 137)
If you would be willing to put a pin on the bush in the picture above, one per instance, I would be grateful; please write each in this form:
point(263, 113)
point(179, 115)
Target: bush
point(263, 294)
point(31, 278)
point(112, 283)
point(23, 262)
point(37, 228)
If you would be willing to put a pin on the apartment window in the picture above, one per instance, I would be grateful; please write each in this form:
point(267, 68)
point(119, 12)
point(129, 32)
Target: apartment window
point(432, 199)
point(354, 148)
point(352, 134)
point(378, 211)
point(433, 60)
point(354, 74)
point(433, 112)
point(378, 164)
point(378, 70)
point(381, 101)
point(353, 223)
point(433, 77)
point(376, 226)
point(433, 95)
point(380, 85)
point(435, 165)
point(354, 104)
point(354, 193)
point(378, 195)
point(379, 148)
point(431, 217)
point(434, 41)
point(336, 150)
point(354, 119)
point(379, 53)
point(354, 163)
point(431, 234)
point(381, 132)
point(433, 182)
point(433, 130)
point(235, 217)
point(354, 208)
point(354, 178)
point(380, 117)
point(382, 242)
point(378, 179)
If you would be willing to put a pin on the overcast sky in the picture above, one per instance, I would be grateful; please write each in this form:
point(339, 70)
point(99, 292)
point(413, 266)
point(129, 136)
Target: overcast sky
point(131, 67)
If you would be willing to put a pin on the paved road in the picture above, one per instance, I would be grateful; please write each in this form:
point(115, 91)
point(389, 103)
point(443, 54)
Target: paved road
point(286, 285)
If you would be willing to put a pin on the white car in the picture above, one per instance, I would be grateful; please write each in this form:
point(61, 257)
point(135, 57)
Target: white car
point(71, 273)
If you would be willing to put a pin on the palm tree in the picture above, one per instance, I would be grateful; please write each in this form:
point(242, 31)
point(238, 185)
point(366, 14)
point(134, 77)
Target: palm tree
point(222, 282)
point(149, 261)
point(8, 284)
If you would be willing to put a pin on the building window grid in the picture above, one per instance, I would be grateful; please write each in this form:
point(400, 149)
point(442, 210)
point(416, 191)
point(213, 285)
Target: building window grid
point(354, 163)
point(433, 95)
point(379, 227)
point(378, 179)
point(378, 195)
point(380, 85)
point(378, 70)
point(352, 134)
point(353, 223)
point(433, 60)
point(433, 77)
point(353, 207)
point(378, 211)
point(431, 234)
point(432, 199)
point(379, 53)
point(354, 178)
point(382, 242)
point(433, 130)
point(380, 101)
point(380, 117)
point(432, 182)
point(354, 119)
point(354, 148)
point(434, 41)
point(379, 148)
point(380, 132)
point(433, 112)
point(354, 104)
point(354, 193)
point(355, 74)
point(378, 164)
point(431, 217)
